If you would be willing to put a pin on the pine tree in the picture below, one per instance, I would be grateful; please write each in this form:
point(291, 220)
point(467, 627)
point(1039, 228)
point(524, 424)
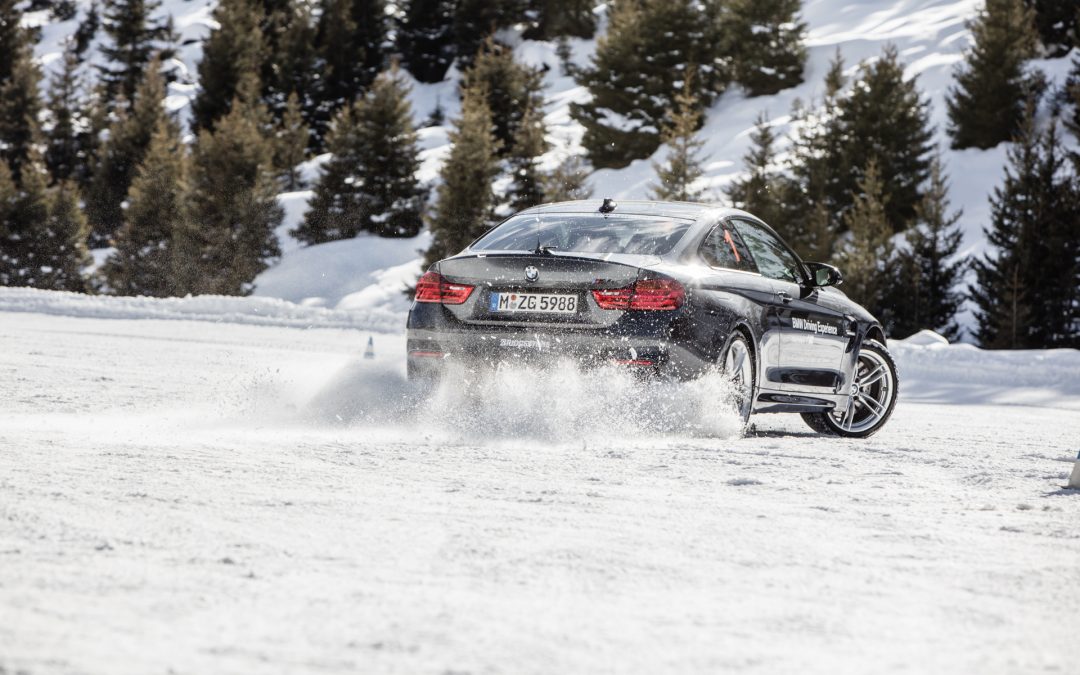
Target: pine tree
point(20, 105)
point(1027, 295)
point(1072, 94)
point(13, 38)
point(883, 119)
point(425, 38)
point(65, 239)
point(466, 200)
point(142, 263)
point(332, 211)
point(135, 39)
point(69, 138)
point(927, 295)
point(511, 87)
point(567, 181)
point(768, 193)
point(526, 187)
point(476, 20)
point(637, 72)
point(551, 19)
point(683, 166)
point(234, 49)
point(369, 185)
point(230, 236)
point(121, 153)
point(289, 64)
point(87, 30)
point(292, 140)
point(986, 106)
point(765, 41)
point(867, 259)
point(42, 239)
point(391, 200)
point(1058, 25)
point(350, 36)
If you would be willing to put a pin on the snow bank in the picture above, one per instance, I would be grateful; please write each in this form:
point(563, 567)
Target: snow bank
point(934, 371)
point(215, 308)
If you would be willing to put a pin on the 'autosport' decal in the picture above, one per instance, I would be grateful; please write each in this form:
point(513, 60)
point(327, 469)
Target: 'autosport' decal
point(814, 326)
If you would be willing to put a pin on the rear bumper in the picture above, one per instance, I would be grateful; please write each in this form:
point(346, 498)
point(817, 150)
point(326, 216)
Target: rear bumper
point(430, 351)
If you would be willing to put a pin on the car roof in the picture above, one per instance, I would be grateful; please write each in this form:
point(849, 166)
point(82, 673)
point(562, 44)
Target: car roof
point(683, 210)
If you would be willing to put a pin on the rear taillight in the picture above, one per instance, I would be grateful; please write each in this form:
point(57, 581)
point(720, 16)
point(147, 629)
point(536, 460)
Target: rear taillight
point(646, 294)
point(433, 287)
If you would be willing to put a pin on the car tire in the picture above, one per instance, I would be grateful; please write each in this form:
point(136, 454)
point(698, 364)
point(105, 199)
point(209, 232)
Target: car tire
point(873, 401)
point(737, 364)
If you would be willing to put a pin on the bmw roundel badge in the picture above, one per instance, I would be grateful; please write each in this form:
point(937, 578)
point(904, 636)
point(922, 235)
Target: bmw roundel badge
point(531, 273)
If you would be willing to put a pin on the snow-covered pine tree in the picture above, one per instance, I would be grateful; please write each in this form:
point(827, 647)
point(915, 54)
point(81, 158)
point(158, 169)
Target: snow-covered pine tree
point(928, 294)
point(512, 89)
point(1027, 293)
point(1058, 25)
point(765, 42)
point(634, 76)
point(390, 198)
point(118, 157)
point(13, 37)
point(65, 239)
point(682, 167)
point(230, 238)
point(135, 37)
point(69, 142)
point(333, 212)
point(567, 181)
point(369, 185)
point(425, 38)
point(477, 20)
point(526, 187)
point(42, 237)
point(292, 136)
point(867, 258)
point(142, 263)
point(350, 36)
point(234, 49)
point(884, 119)
point(465, 198)
point(986, 106)
point(551, 19)
point(768, 193)
point(289, 64)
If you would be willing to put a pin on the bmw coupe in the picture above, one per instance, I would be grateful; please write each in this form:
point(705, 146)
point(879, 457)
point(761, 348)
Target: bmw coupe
point(669, 289)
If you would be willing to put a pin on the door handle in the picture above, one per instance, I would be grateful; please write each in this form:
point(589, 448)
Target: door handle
point(784, 297)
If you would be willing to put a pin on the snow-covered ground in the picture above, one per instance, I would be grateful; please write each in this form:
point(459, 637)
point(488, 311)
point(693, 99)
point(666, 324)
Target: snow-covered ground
point(208, 495)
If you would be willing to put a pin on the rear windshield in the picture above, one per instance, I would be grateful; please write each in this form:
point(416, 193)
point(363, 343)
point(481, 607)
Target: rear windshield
point(642, 235)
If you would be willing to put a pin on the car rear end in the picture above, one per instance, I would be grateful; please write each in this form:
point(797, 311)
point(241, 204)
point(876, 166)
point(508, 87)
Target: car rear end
point(496, 304)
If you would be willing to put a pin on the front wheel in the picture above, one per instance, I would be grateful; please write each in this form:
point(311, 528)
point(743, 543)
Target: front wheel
point(873, 396)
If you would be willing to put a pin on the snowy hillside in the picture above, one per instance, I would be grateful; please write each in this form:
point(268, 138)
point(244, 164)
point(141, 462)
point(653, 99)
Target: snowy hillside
point(208, 495)
point(930, 36)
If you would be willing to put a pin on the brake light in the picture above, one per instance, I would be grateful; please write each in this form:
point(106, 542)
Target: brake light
point(433, 287)
point(647, 294)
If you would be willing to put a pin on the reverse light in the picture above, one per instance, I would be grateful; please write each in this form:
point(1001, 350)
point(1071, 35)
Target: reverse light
point(646, 294)
point(433, 287)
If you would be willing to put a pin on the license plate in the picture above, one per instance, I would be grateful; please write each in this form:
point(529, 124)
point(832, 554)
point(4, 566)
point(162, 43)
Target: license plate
point(547, 303)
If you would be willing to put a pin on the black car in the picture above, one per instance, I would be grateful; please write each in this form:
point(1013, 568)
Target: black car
point(672, 289)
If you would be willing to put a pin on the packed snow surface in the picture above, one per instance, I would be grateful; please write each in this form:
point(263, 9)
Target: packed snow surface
point(199, 496)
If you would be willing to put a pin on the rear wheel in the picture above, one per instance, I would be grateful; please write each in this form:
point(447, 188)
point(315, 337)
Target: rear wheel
point(737, 364)
point(873, 396)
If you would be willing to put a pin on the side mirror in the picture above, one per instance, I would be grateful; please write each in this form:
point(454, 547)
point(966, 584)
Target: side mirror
point(822, 275)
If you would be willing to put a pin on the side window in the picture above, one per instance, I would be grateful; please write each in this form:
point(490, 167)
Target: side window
point(725, 248)
point(774, 259)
